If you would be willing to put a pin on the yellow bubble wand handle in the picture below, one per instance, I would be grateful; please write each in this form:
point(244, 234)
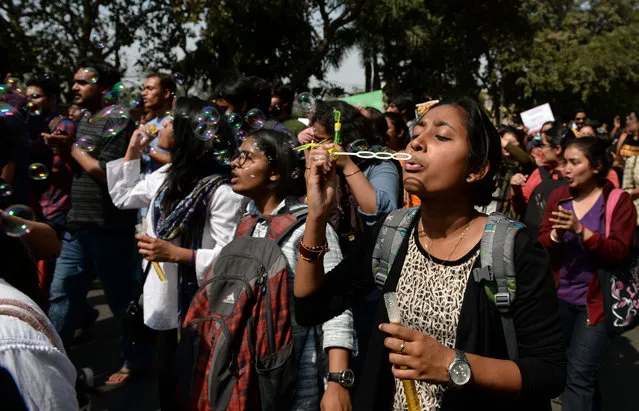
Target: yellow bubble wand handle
point(337, 116)
point(394, 316)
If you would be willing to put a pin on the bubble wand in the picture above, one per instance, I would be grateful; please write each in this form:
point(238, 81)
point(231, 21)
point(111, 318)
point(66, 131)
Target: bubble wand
point(394, 316)
point(337, 116)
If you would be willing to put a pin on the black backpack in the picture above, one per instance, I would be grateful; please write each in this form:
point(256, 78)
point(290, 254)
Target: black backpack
point(539, 197)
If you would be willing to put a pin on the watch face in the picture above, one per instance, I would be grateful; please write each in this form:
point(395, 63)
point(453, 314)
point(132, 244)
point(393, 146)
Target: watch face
point(347, 378)
point(460, 373)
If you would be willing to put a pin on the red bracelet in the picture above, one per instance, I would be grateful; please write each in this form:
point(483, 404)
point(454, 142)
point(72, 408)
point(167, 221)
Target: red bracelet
point(313, 253)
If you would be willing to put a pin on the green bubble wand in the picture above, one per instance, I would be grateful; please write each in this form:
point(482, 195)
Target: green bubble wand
point(337, 116)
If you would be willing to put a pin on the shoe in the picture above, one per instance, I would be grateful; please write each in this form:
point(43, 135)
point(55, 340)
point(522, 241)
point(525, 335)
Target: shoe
point(85, 388)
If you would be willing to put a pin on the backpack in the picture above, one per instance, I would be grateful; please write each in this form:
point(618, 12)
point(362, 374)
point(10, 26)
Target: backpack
point(236, 349)
point(497, 272)
point(537, 204)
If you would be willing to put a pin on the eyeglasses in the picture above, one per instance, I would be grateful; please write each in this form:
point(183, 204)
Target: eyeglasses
point(241, 157)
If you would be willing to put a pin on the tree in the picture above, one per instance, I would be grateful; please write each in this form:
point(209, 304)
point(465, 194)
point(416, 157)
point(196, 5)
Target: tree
point(55, 35)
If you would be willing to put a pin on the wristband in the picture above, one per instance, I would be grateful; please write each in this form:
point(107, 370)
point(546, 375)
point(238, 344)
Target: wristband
point(192, 262)
point(313, 253)
point(580, 233)
point(353, 173)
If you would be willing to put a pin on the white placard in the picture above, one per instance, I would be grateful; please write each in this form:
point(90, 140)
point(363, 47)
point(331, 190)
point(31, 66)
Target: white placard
point(536, 117)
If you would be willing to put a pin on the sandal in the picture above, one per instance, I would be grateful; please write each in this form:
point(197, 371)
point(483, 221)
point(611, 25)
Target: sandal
point(119, 377)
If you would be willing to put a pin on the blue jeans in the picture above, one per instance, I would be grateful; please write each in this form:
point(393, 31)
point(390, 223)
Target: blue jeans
point(586, 348)
point(112, 257)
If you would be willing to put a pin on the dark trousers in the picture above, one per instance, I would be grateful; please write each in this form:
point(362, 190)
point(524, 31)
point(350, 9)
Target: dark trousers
point(166, 360)
point(586, 347)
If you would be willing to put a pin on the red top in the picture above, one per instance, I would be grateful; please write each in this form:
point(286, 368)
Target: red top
point(607, 251)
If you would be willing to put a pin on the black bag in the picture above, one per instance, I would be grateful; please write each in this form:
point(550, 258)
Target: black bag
point(134, 319)
point(537, 204)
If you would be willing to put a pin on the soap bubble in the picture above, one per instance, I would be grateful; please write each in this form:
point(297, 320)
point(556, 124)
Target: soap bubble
point(223, 157)
point(178, 78)
point(234, 120)
point(91, 75)
point(5, 190)
point(7, 110)
point(109, 98)
point(241, 135)
point(255, 119)
point(357, 146)
point(295, 174)
point(306, 102)
point(205, 124)
point(97, 39)
point(32, 109)
point(85, 144)
point(4, 89)
point(38, 171)
point(117, 119)
point(17, 229)
point(12, 82)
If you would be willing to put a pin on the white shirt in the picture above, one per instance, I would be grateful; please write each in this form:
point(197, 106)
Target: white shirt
point(42, 372)
point(129, 190)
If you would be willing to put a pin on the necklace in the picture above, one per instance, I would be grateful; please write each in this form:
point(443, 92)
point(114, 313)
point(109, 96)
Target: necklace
point(461, 238)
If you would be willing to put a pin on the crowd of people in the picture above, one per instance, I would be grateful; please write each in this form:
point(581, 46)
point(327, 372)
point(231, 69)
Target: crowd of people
point(183, 208)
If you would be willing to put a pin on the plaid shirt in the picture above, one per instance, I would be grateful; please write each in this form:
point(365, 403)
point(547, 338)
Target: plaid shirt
point(56, 200)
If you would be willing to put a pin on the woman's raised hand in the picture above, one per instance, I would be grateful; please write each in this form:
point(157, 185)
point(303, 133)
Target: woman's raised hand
point(321, 181)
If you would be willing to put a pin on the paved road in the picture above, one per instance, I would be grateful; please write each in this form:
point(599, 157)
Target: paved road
point(619, 376)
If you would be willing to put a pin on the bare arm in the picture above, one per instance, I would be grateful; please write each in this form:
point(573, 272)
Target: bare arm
point(89, 164)
point(41, 238)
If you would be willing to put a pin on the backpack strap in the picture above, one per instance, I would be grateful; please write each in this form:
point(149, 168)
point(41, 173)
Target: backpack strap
point(389, 239)
point(299, 216)
point(613, 199)
point(498, 271)
point(544, 173)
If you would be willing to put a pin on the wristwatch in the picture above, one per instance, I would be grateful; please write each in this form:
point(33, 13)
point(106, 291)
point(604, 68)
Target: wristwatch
point(459, 372)
point(344, 378)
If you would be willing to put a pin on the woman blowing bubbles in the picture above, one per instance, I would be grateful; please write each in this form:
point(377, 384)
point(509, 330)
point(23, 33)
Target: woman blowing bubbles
point(445, 313)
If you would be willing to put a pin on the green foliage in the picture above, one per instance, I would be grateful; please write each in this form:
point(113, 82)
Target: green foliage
point(521, 53)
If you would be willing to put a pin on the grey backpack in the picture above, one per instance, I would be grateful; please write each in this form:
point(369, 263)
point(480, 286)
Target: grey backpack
point(497, 271)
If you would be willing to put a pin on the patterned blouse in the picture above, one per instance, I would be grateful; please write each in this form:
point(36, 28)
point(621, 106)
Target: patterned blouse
point(430, 294)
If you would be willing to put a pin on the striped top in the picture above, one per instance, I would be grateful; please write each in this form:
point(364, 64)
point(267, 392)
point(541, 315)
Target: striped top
point(338, 332)
point(91, 203)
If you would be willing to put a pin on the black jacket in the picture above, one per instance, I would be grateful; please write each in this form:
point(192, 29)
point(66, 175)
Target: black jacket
point(541, 352)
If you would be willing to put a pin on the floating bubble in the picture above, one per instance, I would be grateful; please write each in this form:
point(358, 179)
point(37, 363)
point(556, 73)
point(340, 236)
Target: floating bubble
point(38, 171)
point(85, 144)
point(241, 135)
point(117, 119)
point(12, 82)
point(7, 110)
point(33, 109)
point(118, 88)
point(109, 98)
point(5, 190)
point(255, 119)
point(4, 89)
point(234, 120)
point(295, 174)
point(178, 78)
point(91, 75)
point(306, 102)
point(223, 157)
point(132, 102)
point(97, 39)
point(357, 146)
point(205, 123)
point(15, 228)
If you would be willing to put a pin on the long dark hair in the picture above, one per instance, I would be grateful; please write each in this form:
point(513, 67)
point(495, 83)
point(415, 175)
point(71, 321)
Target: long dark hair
point(193, 158)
